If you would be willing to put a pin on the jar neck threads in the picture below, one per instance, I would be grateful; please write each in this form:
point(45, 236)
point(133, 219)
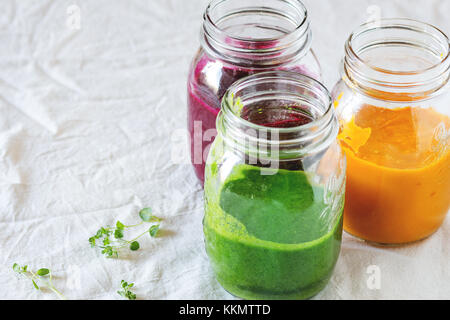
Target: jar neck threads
point(274, 97)
point(256, 33)
point(397, 60)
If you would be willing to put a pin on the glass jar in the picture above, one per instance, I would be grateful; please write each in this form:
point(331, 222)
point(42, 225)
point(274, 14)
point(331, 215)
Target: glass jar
point(274, 188)
point(240, 38)
point(393, 106)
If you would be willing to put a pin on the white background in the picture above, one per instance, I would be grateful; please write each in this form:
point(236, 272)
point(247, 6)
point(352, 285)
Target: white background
point(86, 122)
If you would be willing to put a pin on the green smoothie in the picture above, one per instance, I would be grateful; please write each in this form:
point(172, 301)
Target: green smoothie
point(270, 236)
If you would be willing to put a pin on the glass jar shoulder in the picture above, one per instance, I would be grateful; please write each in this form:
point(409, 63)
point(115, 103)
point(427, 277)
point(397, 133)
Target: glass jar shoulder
point(313, 185)
point(386, 131)
point(348, 100)
point(210, 77)
point(398, 134)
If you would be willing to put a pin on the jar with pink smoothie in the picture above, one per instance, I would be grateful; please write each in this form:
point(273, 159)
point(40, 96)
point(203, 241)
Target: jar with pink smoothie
point(240, 38)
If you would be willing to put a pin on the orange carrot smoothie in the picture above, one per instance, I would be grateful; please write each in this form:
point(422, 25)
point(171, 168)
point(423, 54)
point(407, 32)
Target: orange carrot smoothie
point(398, 173)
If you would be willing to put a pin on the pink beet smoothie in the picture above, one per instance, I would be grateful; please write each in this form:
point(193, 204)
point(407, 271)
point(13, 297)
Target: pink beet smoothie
point(208, 81)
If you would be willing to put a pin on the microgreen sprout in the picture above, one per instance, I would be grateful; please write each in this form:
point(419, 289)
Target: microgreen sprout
point(111, 239)
point(125, 292)
point(40, 278)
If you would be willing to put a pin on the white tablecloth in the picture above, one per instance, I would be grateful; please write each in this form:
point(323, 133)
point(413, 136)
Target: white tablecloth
point(87, 119)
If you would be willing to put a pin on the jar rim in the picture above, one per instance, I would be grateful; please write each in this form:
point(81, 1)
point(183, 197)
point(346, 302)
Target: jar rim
point(397, 23)
point(213, 3)
point(274, 76)
point(257, 51)
point(400, 40)
point(272, 86)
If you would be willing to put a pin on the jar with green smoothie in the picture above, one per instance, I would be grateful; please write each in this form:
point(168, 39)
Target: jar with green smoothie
point(274, 188)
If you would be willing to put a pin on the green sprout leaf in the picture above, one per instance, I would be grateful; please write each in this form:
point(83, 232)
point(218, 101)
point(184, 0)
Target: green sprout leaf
point(146, 214)
point(110, 252)
point(43, 272)
point(120, 225)
point(154, 230)
point(118, 234)
point(35, 285)
point(134, 246)
point(92, 241)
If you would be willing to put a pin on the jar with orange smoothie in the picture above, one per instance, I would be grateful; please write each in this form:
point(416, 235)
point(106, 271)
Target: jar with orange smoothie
point(393, 104)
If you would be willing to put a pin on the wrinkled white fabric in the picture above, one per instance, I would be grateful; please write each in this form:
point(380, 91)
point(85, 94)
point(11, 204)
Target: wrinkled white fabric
point(88, 119)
